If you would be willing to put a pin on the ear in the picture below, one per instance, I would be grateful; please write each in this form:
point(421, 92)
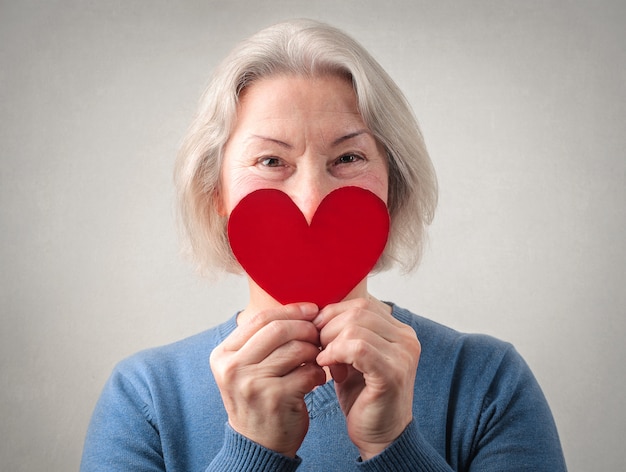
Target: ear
point(218, 203)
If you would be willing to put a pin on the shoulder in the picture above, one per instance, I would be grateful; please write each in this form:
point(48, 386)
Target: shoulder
point(437, 337)
point(451, 357)
point(174, 363)
point(478, 374)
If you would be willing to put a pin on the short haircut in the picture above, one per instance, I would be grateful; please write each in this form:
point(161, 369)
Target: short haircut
point(303, 48)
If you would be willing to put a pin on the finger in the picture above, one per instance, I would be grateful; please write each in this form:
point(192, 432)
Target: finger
point(287, 358)
point(329, 312)
point(274, 335)
point(243, 332)
point(361, 348)
point(383, 326)
point(382, 365)
point(305, 378)
point(339, 372)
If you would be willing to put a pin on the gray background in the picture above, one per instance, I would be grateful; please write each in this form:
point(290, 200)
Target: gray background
point(523, 109)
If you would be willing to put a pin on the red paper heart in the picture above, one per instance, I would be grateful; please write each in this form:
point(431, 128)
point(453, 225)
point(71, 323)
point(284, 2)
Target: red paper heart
point(320, 263)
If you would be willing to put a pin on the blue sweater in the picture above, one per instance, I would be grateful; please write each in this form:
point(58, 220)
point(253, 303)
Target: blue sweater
point(477, 407)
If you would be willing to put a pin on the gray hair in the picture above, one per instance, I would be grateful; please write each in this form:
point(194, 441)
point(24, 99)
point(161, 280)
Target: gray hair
point(304, 48)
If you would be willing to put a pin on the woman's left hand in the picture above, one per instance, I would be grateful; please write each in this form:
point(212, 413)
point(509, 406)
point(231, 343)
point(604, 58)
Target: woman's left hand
point(373, 359)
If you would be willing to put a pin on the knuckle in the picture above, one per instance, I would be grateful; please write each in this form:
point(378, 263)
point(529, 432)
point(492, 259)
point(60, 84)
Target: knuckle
point(247, 388)
point(362, 303)
point(417, 346)
point(216, 359)
point(409, 357)
point(360, 348)
point(355, 315)
point(259, 318)
point(291, 349)
point(277, 328)
point(409, 336)
point(300, 350)
point(325, 338)
point(223, 371)
point(269, 315)
point(351, 331)
point(225, 368)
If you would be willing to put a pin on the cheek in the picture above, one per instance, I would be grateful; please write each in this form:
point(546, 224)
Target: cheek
point(383, 189)
point(377, 183)
point(236, 185)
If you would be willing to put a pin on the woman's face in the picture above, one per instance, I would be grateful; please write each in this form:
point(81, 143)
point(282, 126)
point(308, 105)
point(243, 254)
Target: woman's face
point(303, 136)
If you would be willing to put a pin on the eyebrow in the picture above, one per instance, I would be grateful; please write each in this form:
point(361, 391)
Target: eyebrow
point(273, 140)
point(349, 136)
point(336, 142)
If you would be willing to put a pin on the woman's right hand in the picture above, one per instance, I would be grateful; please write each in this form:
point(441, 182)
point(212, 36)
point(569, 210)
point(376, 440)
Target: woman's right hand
point(264, 369)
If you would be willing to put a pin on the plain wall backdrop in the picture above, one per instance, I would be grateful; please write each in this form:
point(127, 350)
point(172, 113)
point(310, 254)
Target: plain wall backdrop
point(523, 106)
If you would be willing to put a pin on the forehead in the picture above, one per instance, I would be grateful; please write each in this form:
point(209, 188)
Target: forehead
point(292, 97)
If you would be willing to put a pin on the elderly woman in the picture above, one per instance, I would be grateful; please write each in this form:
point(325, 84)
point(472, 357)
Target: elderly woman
point(303, 110)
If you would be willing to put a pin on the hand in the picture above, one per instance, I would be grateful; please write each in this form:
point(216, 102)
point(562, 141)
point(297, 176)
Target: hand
point(264, 369)
point(373, 359)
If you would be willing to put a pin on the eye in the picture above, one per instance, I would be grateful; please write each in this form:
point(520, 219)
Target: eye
point(270, 162)
point(348, 159)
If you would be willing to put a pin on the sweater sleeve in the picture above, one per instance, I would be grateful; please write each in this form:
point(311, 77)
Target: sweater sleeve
point(516, 430)
point(409, 452)
point(241, 454)
point(122, 435)
point(511, 428)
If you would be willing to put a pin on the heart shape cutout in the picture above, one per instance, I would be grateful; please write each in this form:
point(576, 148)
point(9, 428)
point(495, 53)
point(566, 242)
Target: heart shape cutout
point(297, 262)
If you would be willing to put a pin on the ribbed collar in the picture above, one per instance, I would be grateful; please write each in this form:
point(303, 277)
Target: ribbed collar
point(321, 399)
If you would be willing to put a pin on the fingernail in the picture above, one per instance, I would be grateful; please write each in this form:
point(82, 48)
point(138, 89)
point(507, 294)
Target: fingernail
point(317, 321)
point(309, 309)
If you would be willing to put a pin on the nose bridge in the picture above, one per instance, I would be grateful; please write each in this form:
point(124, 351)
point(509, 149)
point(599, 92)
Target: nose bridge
point(310, 186)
